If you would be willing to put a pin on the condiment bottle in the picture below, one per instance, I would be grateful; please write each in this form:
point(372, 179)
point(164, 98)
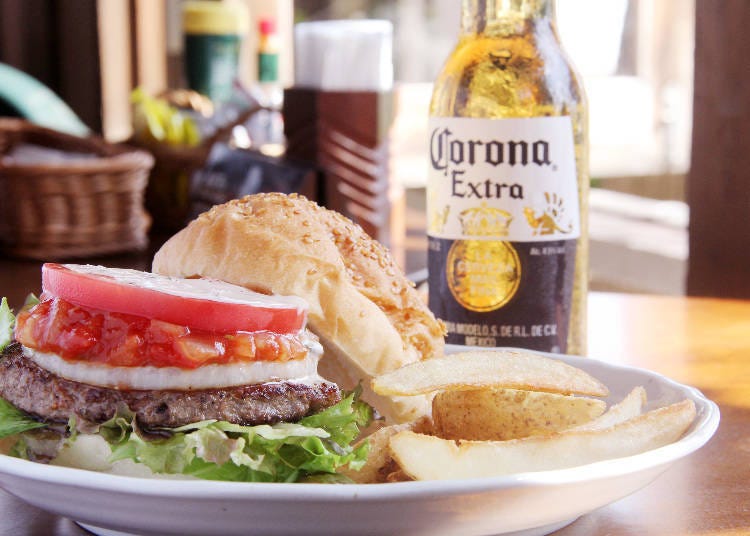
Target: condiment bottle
point(213, 38)
point(508, 183)
point(268, 57)
point(267, 126)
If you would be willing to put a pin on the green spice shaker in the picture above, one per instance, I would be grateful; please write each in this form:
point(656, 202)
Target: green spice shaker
point(213, 37)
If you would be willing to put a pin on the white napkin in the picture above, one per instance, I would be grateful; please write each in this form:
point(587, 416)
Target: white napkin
point(344, 55)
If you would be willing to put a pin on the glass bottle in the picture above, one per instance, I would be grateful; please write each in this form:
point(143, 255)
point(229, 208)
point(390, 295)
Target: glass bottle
point(266, 127)
point(507, 192)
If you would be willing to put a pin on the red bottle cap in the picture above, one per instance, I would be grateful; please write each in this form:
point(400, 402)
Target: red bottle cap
point(267, 26)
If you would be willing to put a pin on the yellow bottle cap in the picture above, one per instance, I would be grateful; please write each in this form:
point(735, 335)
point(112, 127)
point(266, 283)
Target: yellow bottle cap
point(215, 17)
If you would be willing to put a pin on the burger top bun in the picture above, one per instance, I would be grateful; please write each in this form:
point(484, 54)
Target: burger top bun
point(369, 317)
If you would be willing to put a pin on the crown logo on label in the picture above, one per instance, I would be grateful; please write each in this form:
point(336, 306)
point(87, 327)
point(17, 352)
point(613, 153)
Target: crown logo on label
point(485, 221)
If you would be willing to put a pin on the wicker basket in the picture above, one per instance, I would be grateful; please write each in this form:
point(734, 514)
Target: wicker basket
point(73, 209)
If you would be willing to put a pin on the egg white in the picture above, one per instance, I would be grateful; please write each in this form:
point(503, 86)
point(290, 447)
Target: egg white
point(155, 378)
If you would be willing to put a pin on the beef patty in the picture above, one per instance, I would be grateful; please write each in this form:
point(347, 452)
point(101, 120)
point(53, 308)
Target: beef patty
point(42, 394)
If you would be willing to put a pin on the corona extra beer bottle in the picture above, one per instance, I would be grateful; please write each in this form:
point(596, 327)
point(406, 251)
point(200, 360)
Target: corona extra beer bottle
point(508, 183)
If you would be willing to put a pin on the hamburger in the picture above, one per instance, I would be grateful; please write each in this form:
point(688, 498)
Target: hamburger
point(202, 367)
point(183, 376)
point(368, 316)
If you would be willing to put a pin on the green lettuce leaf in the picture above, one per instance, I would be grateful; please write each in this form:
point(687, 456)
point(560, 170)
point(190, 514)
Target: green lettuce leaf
point(8, 319)
point(14, 421)
point(286, 452)
point(7, 322)
point(30, 301)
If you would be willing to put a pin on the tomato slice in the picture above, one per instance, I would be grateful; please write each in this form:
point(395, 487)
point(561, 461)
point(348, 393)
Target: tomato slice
point(205, 304)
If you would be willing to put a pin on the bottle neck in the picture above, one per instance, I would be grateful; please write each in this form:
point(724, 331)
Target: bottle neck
point(504, 16)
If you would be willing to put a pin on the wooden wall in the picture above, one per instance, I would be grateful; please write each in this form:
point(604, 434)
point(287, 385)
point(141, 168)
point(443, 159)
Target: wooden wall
point(57, 43)
point(90, 52)
point(719, 179)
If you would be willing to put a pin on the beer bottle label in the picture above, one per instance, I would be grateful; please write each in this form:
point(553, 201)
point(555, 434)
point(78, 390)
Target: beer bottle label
point(503, 219)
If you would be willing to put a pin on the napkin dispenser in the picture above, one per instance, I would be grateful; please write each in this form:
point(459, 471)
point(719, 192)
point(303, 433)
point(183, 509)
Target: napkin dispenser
point(338, 115)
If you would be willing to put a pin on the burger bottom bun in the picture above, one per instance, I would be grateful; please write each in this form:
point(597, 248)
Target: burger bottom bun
point(92, 452)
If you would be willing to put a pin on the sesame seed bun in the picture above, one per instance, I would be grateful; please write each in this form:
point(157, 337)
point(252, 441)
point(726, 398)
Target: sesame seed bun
point(368, 316)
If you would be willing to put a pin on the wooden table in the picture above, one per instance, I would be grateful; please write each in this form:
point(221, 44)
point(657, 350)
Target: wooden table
point(702, 342)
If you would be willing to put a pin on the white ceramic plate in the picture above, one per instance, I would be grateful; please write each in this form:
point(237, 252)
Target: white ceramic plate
point(527, 504)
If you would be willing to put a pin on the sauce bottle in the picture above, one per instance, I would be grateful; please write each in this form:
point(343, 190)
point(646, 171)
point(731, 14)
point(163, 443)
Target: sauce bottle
point(213, 38)
point(267, 126)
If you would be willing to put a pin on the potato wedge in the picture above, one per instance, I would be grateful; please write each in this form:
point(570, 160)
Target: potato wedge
point(431, 458)
point(379, 465)
point(630, 406)
point(498, 414)
point(499, 368)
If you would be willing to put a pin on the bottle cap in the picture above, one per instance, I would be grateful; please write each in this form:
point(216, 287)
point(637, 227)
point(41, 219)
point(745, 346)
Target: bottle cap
point(267, 26)
point(214, 18)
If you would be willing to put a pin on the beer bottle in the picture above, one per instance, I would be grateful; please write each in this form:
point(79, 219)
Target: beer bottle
point(507, 191)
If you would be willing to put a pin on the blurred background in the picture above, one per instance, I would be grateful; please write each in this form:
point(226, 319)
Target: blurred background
point(647, 83)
